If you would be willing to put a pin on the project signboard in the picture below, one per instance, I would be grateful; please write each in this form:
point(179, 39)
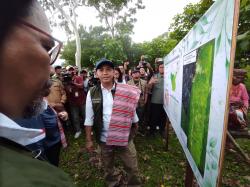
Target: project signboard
point(195, 89)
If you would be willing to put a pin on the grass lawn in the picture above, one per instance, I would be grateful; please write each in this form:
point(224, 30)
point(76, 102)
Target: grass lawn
point(157, 166)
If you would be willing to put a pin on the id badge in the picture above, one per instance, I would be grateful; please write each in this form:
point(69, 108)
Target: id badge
point(76, 94)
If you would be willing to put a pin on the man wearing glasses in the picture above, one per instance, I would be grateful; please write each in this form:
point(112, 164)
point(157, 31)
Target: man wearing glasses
point(25, 46)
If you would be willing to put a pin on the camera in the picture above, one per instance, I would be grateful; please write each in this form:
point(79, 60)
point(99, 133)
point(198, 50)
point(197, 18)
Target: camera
point(66, 78)
point(93, 81)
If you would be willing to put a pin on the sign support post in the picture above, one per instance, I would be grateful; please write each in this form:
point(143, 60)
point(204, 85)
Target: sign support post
point(189, 177)
point(232, 57)
point(166, 133)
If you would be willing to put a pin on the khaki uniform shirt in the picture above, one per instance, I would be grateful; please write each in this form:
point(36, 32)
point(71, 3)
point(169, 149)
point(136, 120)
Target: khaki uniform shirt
point(142, 86)
point(57, 92)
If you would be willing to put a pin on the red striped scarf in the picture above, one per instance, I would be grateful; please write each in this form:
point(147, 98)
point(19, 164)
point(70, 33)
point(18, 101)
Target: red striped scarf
point(63, 138)
point(61, 131)
point(125, 101)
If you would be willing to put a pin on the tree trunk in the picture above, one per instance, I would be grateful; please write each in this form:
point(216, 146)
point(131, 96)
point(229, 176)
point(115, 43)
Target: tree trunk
point(74, 25)
point(78, 42)
point(78, 49)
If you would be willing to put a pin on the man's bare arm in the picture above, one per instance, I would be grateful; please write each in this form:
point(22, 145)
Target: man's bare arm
point(89, 142)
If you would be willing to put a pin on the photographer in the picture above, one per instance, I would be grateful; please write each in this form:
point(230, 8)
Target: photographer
point(93, 80)
point(125, 77)
point(143, 74)
point(146, 65)
point(84, 75)
point(76, 99)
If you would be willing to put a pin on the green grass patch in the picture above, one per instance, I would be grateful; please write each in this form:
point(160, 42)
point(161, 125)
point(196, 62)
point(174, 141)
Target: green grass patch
point(157, 166)
point(199, 108)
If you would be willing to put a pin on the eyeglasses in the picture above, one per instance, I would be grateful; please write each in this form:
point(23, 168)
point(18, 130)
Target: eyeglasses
point(55, 50)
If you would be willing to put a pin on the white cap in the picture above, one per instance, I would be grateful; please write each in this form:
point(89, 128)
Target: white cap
point(159, 60)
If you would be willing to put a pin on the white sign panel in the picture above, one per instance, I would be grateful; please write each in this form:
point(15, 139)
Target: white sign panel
point(195, 89)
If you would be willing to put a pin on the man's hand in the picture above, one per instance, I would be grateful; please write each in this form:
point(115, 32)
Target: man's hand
point(57, 106)
point(135, 126)
point(153, 80)
point(63, 115)
point(89, 143)
point(134, 130)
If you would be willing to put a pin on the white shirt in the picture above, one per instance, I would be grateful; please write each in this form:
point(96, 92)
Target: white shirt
point(85, 84)
point(107, 112)
point(12, 131)
point(124, 79)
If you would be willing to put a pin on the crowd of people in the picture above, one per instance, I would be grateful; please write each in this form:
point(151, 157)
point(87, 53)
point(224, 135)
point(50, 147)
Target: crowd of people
point(37, 101)
point(69, 90)
point(100, 102)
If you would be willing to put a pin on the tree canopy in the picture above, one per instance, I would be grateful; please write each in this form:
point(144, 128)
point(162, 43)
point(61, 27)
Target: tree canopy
point(96, 43)
point(117, 15)
point(183, 22)
point(243, 38)
point(99, 42)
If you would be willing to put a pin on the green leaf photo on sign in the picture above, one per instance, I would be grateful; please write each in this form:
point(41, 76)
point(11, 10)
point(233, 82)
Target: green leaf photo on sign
point(173, 80)
point(199, 105)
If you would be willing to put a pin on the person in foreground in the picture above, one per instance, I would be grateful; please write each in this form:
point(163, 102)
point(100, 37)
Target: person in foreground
point(25, 46)
point(111, 113)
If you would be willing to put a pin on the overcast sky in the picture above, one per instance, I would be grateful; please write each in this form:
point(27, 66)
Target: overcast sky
point(152, 21)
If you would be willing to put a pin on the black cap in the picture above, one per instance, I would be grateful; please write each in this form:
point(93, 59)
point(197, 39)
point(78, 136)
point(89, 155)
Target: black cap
point(102, 62)
point(58, 67)
point(135, 70)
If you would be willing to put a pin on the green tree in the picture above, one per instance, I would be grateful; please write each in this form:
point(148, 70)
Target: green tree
point(118, 15)
point(243, 38)
point(158, 47)
point(96, 44)
point(183, 23)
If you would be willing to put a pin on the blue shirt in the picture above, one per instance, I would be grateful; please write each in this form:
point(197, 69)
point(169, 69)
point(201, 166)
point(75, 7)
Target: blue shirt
point(46, 120)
